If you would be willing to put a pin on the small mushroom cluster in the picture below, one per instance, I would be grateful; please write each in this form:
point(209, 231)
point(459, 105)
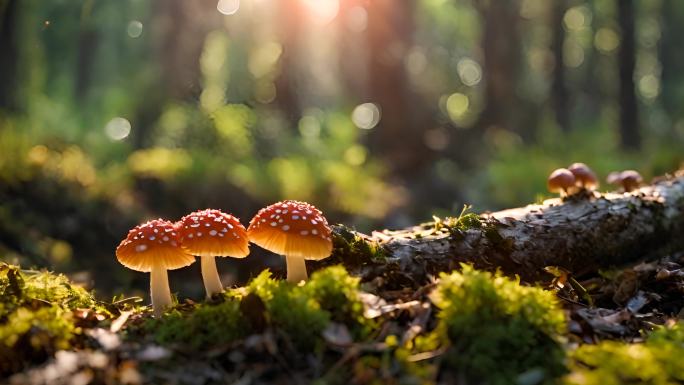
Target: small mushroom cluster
point(579, 177)
point(628, 180)
point(575, 178)
point(297, 230)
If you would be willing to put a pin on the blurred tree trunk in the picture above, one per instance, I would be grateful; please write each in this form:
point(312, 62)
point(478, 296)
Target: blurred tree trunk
point(671, 58)
point(501, 47)
point(398, 138)
point(87, 44)
point(9, 53)
point(559, 90)
point(629, 117)
point(286, 82)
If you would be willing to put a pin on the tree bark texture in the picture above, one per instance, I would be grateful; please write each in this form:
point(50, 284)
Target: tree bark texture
point(582, 233)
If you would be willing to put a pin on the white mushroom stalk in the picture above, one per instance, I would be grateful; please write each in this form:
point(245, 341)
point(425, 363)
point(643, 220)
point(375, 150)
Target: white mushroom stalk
point(210, 276)
point(296, 269)
point(160, 290)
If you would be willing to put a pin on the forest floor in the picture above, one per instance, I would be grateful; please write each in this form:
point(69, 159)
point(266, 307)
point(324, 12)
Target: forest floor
point(464, 327)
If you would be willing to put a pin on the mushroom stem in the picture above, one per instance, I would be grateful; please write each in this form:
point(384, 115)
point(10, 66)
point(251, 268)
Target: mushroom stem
point(212, 281)
point(296, 269)
point(159, 290)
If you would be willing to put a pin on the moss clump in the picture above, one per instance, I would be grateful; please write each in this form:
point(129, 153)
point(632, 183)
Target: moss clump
point(498, 330)
point(300, 312)
point(338, 293)
point(658, 361)
point(35, 315)
point(353, 250)
point(207, 325)
point(291, 309)
point(463, 222)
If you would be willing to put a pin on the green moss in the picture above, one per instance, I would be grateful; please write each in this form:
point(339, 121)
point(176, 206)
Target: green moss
point(208, 325)
point(463, 222)
point(35, 315)
point(17, 287)
point(49, 326)
point(658, 361)
point(498, 330)
point(351, 249)
point(338, 293)
point(300, 312)
point(292, 309)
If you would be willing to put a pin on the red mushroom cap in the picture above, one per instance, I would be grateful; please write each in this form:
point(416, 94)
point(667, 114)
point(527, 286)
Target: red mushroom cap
point(213, 233)
point(292, 228)
point(560, 180)
point(153, 243)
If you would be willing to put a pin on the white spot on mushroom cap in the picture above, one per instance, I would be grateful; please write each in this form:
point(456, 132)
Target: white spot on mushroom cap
point(274, 224)
point(314, 231)
point(199, 234)
point(190, 235)
point(295, 217)
point(304, 232)
point(140, 248)
point(165, 239)
point(213, 233)
point(285, 227)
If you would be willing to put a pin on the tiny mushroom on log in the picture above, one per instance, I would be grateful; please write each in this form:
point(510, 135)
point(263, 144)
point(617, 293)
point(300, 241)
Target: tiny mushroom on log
point(584, 176)
point(209, 234)
point(629, 179)
point(154, 247)
point(294, 229)
point(560, 181)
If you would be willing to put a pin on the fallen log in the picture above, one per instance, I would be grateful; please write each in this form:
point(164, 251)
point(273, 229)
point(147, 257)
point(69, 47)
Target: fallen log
point(580, 233)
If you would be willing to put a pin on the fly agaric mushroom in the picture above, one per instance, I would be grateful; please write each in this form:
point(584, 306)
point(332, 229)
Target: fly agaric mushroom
point(294, 229)
point(209, 234)
point(629, 179)
point(560, 181)
point(154, 247)
point(584, 176)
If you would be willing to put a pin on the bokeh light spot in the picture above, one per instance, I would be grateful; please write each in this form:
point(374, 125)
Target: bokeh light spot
point(118, 128)
point(366, 116)
point(416, 61)
point(606, 40)
point(457, 105)
point(134, 29)
point(577, 18)
point(228, 7)
point(265, 92)
point(649, 86)
point(355, 155)
point(573, 53)
point(469, 71)
point(309, 126)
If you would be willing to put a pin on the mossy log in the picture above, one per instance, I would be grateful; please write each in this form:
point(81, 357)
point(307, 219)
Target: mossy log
point(581, 233)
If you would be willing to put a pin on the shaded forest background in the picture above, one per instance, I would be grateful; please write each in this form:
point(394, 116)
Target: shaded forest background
point(379, 112)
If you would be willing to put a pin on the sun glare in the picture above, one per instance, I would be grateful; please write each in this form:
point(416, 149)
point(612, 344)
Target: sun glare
point(322, 11)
